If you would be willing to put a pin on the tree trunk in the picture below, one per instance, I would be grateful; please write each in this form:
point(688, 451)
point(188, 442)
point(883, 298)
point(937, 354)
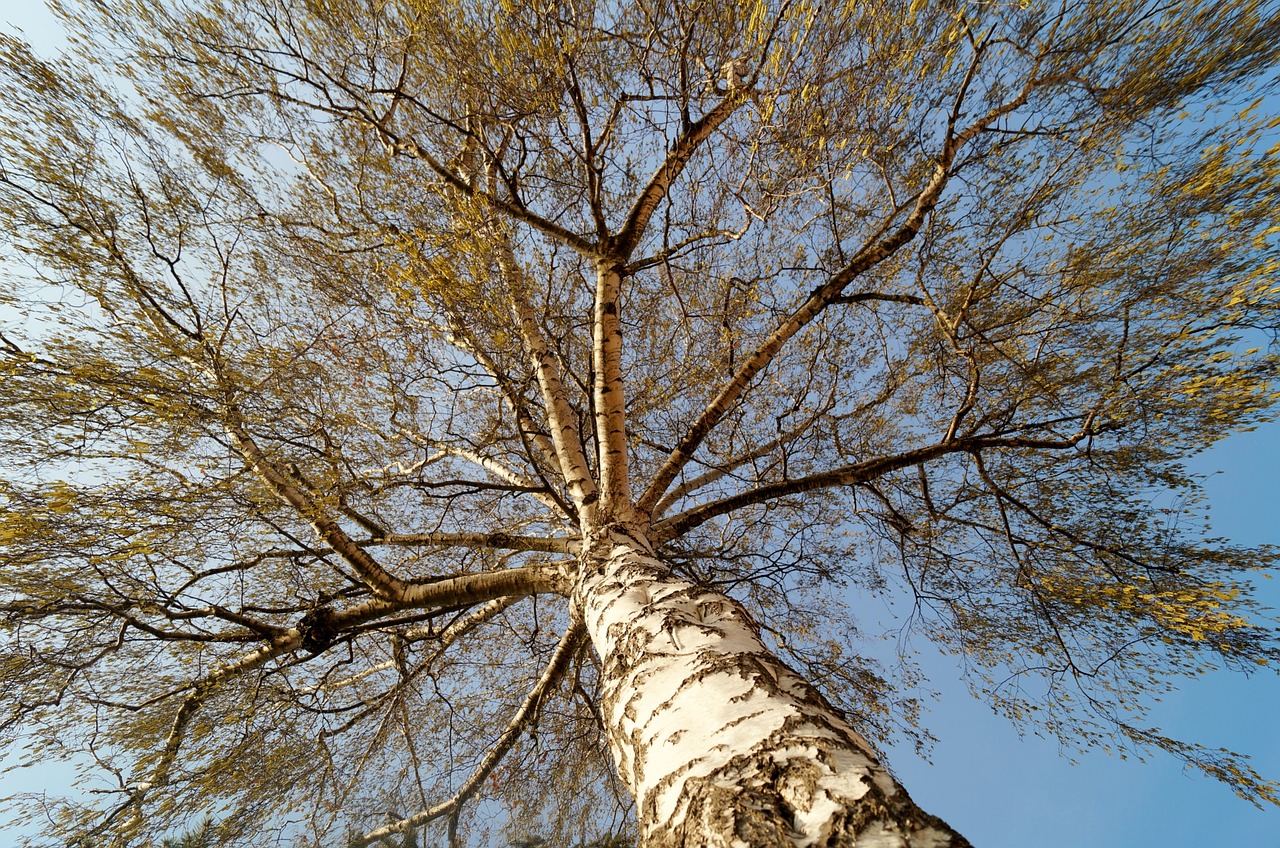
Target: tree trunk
point(720, 742)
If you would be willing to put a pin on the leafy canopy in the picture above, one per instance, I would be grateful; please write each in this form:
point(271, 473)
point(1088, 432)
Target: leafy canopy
point(302, 349)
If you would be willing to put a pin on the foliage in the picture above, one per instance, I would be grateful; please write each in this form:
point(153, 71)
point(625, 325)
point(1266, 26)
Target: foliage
point(331, 330)
point(201, 836)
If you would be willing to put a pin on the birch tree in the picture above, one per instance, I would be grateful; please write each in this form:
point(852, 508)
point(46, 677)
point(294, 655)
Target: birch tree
point(421, 415)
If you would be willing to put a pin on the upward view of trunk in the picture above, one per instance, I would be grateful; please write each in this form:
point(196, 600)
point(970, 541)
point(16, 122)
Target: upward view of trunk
point(720, 742)
point(366, 360)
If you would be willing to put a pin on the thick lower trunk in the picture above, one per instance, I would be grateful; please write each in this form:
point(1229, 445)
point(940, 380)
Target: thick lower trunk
point(722, 744)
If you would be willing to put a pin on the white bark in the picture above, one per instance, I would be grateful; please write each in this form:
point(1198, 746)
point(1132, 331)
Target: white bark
point(560, 416)
point(610, 413)
point(721, 743)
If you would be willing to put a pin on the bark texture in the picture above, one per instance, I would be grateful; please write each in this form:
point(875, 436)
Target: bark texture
point(721, 743)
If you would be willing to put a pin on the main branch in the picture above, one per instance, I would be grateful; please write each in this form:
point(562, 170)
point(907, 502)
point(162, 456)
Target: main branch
point(879, 248)
point(849, 475)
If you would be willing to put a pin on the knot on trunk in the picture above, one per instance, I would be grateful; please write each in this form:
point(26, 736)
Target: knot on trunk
point(319, 629)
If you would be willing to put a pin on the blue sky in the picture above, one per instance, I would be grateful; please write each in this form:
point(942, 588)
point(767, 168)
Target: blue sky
point(1003, 791)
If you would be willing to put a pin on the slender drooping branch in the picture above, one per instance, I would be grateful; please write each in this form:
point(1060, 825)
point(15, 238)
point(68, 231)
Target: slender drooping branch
point(461, 337)
point(512, 209)
point(492, 466)
point(287, 642)
point(200, 692)
point(848, 475)
point(729, 466)
point(527, 710)
point(443, 640)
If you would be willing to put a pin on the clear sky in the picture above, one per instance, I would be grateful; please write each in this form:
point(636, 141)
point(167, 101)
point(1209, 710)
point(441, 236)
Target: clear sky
point(1003, 791)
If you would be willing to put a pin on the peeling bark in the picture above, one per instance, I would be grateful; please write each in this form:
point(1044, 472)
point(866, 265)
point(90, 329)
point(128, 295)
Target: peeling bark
point(720, 742)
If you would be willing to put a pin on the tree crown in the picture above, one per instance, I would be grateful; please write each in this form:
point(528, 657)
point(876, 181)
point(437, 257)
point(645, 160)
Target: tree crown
point(336, 333)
